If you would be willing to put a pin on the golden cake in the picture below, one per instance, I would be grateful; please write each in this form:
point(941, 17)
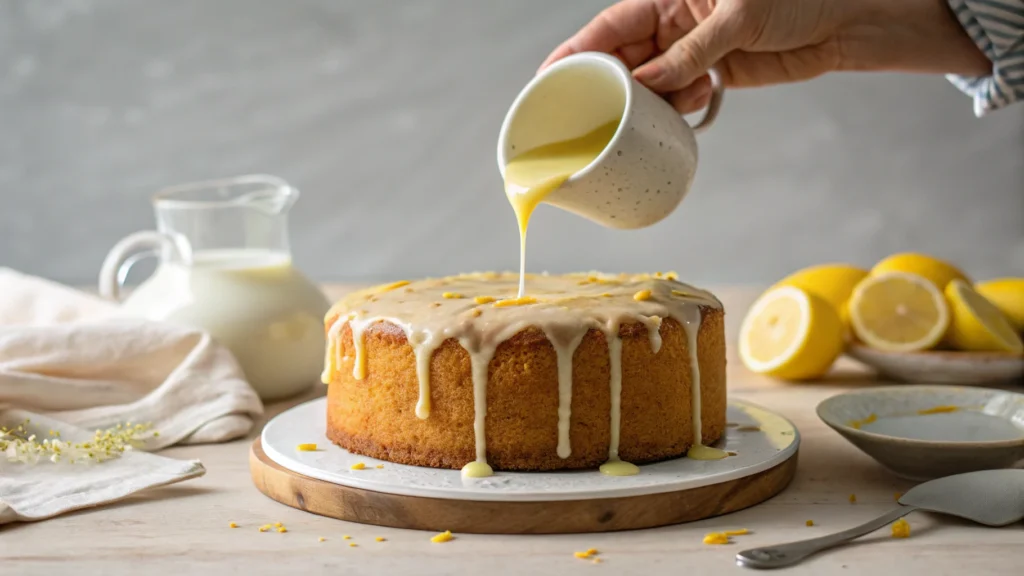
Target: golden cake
point(587, 370)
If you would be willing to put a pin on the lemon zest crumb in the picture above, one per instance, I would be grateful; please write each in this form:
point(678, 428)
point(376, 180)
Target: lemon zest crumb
point(353, 545)
point(306, 447)
point(445, 536)
point(740, 532)
point(938, 410)
point(282, 530)
point(451, 295)
point(346, 537)
point(809, 523)
point(597, 560)
point(380, 539)
point(642, 295)
point(358, 466)
point(525, 300)
point(278, 524)
point(901, 529)
point(856, 424)
point(716, 538)
point(379, 466)
point(232, 525)
point(853, 498)
point(321, 539)
point(483, 299)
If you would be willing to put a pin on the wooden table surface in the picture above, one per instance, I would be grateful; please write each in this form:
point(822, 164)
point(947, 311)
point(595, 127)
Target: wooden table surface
point(184, 528)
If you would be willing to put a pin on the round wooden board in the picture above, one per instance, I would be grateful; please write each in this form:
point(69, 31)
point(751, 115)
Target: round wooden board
point(488, 517)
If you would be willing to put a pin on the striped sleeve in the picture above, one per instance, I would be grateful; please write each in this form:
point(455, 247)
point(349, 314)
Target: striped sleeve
point(997, 27)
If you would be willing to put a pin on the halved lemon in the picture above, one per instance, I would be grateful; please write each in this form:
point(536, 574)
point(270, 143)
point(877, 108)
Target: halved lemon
point(976, 324)
point(938, 272)
point(792, 334)
point(898, 312)
point(1008, 295)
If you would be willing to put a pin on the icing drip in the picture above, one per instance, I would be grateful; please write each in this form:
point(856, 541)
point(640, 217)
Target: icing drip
point(697, 451)
point(615, 382)
point(481, 362)
point(359, 366)
point(564, 354)
point(423, 355)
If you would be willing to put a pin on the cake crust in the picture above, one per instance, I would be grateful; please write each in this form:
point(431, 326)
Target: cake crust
point(375, 416)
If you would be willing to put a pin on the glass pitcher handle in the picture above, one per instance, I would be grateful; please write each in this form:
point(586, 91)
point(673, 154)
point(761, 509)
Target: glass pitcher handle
point(126, 254)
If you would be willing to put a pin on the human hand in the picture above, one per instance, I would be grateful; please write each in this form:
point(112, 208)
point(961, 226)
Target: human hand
point(671, 44)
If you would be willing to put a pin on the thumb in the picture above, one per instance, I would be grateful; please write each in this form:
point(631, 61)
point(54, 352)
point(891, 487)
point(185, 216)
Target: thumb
point(691, 56)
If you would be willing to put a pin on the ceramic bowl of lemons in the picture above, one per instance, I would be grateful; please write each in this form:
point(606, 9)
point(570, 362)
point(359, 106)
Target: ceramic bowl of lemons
point(923, 432)
point(912, 317)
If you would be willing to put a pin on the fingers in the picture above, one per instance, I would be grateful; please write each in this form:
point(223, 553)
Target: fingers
point(692, 98)
point(690, 57)
point(618, 26)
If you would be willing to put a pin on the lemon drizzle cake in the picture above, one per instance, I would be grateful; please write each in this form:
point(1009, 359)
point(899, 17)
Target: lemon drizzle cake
point(445, 320)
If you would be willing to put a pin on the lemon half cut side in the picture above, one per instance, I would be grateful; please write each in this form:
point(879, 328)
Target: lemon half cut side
point(790, 333)
point(899, 312)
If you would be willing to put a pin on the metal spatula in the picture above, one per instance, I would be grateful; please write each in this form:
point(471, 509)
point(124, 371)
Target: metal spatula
point(989, 497)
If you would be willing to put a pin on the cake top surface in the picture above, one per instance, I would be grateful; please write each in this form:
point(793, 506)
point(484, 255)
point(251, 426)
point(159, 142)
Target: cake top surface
point(482, 308)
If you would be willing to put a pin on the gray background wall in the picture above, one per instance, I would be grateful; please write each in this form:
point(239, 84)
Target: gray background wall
point(385, 115)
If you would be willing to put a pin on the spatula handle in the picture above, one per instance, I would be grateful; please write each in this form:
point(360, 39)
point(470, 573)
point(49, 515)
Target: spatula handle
point(793, 552)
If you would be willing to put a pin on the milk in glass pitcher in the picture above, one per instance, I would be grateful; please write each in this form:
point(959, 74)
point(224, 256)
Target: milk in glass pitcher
point(225, 267)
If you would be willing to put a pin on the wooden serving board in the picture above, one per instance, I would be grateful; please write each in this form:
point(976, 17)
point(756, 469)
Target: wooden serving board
point(489, 517)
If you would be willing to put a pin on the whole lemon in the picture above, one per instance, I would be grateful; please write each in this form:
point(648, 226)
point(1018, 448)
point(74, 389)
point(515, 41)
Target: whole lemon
point(938, 272)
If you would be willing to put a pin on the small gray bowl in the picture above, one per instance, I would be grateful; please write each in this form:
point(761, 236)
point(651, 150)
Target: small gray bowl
point(922, 432)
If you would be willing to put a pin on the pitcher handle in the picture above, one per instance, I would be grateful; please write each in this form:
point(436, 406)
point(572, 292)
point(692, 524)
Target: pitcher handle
point(126, 254)
point(714, 104)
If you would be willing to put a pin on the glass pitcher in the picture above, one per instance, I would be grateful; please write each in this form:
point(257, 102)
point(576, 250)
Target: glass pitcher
point(225, 266)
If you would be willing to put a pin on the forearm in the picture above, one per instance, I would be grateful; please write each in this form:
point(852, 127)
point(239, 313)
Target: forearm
point(909, 36)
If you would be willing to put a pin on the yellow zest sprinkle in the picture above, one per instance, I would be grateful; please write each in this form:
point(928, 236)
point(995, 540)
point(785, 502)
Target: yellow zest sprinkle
point(581, 555)
point(515, 302)
point(306, 447)
point(853, 498)
point(232, 525)
point(671, 275)
point(658, 274)
point(809, 523)
point(856, 424)
point(682, 294)
point(740, 532)
point(475, 312)
point(379, 466)
point(353, 545)
point(938, 410)
point(278, 524)
point(451, 295)
point(357, 466)
point(606, 295)
point(901, 529)
point(321, 539)
point(392, 286)
point(380, 539)
point(346, 537)
point(445, 536)
point(716, 538)
point(592, 551)
point(483, 299)
point(264, 528)
point(597, 560)
point(642, 295)
point(897, 496)
point(282, 529)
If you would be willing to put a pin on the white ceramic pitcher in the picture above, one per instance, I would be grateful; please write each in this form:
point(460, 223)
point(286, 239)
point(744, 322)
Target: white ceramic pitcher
point(225, 266)
point(647, 168)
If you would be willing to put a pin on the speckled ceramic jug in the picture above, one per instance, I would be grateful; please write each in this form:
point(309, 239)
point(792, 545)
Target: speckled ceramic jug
point(647, 168)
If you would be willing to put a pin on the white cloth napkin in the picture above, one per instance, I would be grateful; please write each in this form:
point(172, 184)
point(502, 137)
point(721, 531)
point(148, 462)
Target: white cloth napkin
point(71, 362)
